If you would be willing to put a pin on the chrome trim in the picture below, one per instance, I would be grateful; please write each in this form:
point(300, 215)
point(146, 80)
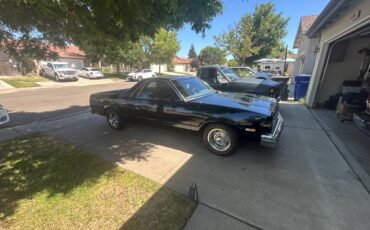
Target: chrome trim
point(271, 139)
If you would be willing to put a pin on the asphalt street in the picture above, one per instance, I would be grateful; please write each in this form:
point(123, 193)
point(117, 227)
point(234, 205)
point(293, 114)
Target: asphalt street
point(39, 104)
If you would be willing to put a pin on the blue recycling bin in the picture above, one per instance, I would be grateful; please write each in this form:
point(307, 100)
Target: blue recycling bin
point(301, 85)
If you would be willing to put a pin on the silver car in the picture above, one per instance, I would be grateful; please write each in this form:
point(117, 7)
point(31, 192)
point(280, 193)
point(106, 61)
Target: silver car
point(4, 116)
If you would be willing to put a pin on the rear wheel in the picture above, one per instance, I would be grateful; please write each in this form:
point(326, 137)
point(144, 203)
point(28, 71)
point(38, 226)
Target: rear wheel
point(114, 119)
point(220, 139)
point(140, 78)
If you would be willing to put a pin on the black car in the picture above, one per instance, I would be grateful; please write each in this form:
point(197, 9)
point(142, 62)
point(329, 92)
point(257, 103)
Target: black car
point(189, 103)
point(225, 79)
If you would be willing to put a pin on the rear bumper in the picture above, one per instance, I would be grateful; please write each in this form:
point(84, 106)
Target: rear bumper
point(271, 139)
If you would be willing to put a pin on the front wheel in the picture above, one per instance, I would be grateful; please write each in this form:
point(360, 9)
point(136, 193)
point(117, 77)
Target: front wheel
point(220, 139)
point(114, 119)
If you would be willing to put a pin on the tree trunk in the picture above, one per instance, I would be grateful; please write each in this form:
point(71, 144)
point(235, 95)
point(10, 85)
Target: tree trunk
point(118, 68)
point(159, 67)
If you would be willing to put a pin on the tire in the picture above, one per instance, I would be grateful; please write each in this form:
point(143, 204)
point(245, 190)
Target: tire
point(42, 73)
point(153, 76)
point(220, 139)
point(114, 119)
point(56, 77)
point(139, 78)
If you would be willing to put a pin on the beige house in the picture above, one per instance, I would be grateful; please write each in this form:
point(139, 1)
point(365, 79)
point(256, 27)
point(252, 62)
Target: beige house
point(343, 30)
point(306, 47)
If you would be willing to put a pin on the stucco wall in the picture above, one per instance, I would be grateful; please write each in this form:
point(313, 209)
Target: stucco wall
point(340, 27)
point(306, 49)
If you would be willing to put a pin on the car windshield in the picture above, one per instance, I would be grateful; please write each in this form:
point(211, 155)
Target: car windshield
point(230, 74)
point(61, 66)
point(192, 87)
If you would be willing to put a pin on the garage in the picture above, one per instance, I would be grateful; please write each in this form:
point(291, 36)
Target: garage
point(347, 67)
point(343, 30)
point(339, 88)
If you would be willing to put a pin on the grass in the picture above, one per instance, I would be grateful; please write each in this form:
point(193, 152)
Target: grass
point(119, 76)
point(24, 81)
point(47, 184)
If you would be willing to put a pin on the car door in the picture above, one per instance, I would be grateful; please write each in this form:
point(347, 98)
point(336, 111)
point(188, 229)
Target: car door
point(49, 69)
point(146, 102)
point(218, 79)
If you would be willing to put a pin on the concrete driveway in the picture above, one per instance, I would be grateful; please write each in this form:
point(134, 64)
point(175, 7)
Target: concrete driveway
point(302, 184)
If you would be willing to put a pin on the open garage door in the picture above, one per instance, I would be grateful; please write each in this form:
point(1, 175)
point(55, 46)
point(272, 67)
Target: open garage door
point(347, 60)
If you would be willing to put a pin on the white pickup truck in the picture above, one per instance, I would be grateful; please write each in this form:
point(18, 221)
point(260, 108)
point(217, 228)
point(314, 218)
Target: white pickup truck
point(59, 71)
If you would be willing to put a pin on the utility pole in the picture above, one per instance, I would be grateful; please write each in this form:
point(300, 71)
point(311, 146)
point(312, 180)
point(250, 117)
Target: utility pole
point(286, 56)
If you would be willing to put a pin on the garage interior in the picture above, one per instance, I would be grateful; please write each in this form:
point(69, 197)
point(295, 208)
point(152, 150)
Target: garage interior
point(343, 96)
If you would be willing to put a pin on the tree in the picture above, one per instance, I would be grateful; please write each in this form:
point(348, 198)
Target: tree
point(212, 55)
point(63, 22)
point(255, 36)
point(232, 63)
point(164, 47)
point(192, 53)
point(25, 51)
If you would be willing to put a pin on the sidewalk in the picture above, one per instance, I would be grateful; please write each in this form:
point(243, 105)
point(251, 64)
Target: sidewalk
point(6, 88)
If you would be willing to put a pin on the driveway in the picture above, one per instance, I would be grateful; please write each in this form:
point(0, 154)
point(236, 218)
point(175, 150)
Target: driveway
point(302, 184)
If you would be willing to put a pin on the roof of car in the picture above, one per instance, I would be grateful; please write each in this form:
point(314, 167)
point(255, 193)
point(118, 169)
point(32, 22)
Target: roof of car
point(212, 66)
point(173, 77)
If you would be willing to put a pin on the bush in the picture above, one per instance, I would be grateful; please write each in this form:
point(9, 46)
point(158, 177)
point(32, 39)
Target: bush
point(106, 69)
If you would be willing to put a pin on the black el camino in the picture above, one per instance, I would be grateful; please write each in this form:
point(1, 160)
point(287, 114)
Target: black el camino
point(189, 103)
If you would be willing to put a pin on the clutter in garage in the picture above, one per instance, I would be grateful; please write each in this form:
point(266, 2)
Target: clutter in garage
point(353, 101)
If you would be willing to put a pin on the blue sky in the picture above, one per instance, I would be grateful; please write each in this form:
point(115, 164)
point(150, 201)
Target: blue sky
point(234, 9)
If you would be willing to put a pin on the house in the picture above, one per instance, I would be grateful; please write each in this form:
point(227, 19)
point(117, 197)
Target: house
point(182, 64)
point(306, 47)
point(70, 54)
point(155, 67)
point(343, 32)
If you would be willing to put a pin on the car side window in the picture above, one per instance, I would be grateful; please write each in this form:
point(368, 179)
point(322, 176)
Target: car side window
point(158, 90)
point(204, 74)
point(221, 78)
point(49, 65)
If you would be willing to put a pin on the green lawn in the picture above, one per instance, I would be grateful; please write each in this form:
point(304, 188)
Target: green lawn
point(47, 184)
point(24, 81)
point(115, 76)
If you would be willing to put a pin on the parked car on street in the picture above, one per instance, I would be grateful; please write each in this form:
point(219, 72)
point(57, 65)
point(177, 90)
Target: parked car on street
point(189, 103)
point(141, 74)
point(225, 79)
point(59, 71)
point(4, 116)
point(90, 73)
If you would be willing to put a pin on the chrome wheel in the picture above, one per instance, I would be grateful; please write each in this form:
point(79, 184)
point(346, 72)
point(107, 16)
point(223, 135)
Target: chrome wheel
point(113, 119)
point(219, 139)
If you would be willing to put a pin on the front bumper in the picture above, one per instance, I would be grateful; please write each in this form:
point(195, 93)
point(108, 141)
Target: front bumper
point(4, 117)
point(271, 139)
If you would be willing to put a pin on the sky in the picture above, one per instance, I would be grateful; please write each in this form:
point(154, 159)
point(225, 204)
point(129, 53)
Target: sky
point(234, 9)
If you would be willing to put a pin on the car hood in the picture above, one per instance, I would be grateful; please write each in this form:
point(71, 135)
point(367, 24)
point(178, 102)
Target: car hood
point(240, 101)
